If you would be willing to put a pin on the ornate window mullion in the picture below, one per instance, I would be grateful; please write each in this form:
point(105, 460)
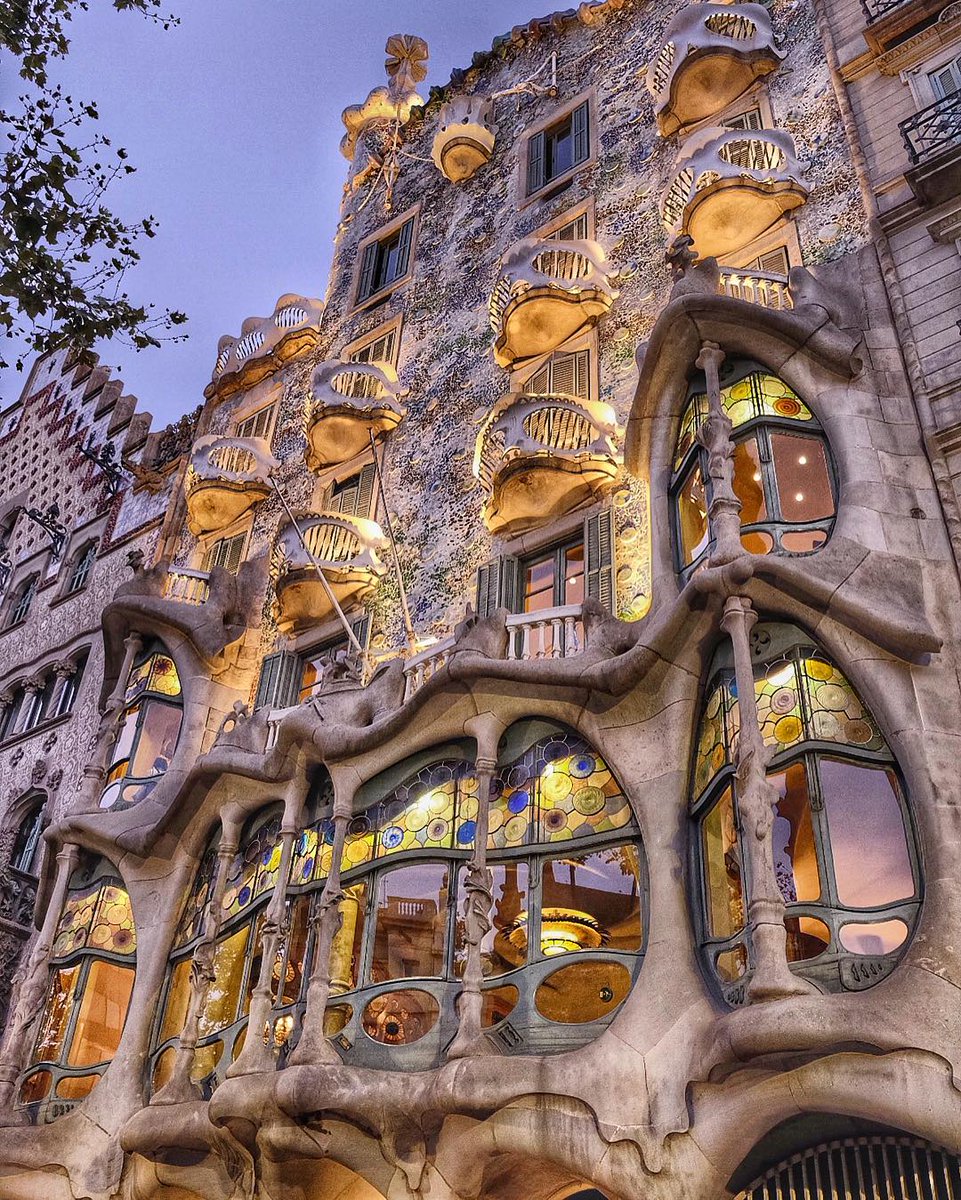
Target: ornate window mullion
point(724, 510)
point(95, 772)
point(314, 1046)
point(757, 797)
point(180, 1087)
point(30, 984)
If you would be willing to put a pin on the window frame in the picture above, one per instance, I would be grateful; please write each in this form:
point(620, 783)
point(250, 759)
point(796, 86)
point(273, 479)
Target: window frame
point(22, 600)
point(363, 300)
point(267, 411)
point(81, 568)
point(527, 194)
point(389, 329)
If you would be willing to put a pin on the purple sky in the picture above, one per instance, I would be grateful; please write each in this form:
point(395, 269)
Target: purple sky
point(233, 121)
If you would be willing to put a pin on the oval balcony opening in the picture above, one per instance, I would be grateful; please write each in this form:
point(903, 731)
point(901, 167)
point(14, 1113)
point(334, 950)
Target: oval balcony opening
point(226, 477)
point(347, 403)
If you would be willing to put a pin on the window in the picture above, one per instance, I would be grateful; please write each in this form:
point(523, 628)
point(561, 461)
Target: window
point(946, 80)
point(353, 496)
point(783, 475)
point(316, 660)
point(745, 120)
point(149, 729)
point(381, 349)
point(564, 374)
point(844, 853)
point(568, 919)
point(774, 262)
point(64, 699)
point(385, 261)
point(227, 553)
point(23, 598)
point(257, 425)
point(558, 149)
point(91, 978)
point(575, 230)
point(26, 846)
point(82, 566)
point(36, 703)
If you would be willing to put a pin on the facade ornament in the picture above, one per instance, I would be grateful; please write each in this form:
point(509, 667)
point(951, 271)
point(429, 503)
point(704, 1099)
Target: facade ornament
point(49, 741)
point(135, 561)
point(16, 756)
point(39, 772)
point(465, 137)
point(56, 777)
point(680, 256)
point(406, 64)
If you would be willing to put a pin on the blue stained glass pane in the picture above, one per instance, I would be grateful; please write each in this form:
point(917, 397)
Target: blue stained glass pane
point(307, 869)
point(465, 834)
point(244, 895)
point(518, 802)
point(392, 837)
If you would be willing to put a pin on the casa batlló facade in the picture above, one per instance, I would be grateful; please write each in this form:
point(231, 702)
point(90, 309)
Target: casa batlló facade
point(514, 754)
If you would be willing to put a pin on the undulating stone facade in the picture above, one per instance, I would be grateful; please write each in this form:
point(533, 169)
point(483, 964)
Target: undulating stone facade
point(504, 745)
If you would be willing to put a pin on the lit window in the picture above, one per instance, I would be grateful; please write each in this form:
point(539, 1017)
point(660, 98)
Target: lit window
point(257, 425)
point(149, 729)
point(844, 853)
point(558, 149)
point(385, 261)
point(91, 978)
point(783, 474)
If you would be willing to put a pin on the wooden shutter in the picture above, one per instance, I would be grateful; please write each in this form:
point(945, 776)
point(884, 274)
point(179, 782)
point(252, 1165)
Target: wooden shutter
point(580, 133)
point(945, 81)
point(365, 492)
point(497, 586)
point(539, 383)
point(536, 147)
point(360, 628)
point(233, 553)
point(403, 249)
point(367, 270)
point(775, 262)
point(279, 684)
point(599, 556)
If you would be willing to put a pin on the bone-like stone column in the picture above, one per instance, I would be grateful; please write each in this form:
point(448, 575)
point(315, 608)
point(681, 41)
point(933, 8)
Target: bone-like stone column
point(757, 797)
point(724, 509)
point(30, 985)
point(258, 1053)
point(95, 772)
point(314, 1046)
point(180, 1087)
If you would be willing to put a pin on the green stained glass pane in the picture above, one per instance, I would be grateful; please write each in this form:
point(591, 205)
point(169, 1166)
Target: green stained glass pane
point(74, 927)
point(836, 713)
point(113, 928)
point(694, 416)
point(778, 697)
point(754, 396)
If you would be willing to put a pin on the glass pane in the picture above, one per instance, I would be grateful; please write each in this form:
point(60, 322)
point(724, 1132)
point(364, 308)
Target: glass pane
point(879, 937)
point(560, 151)
point(103, 1010)
point(56, 1014)
point(574, 575)
point(124, 744)
point(75, 920)
point(35, 1087)
point(803, 479)
point(163, 676)
point(837, 715)
point(158, 739)
point(349, 940)
point(722, 869)
point(795, 853)
point(807, 937)
point(802, 541)
point(178, 997)
point(220, 1005)
point(399, 1018)
point(757, 542)
point(539, 585)
point(498, 1003)
point(748, 485)
point(297, 948)
point(711, 741)
point(504, 946)
point(75, 1087)
point(731, 964)
point(113, 928)
point(872, 863)
point(583, 991)
point(692, 517)
point(590, 901)
point(411, 922)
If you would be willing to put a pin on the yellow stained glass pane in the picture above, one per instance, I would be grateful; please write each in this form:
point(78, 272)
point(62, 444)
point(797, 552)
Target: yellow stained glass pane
point(163, 676)
point(75, 920)
point(757, 395)
point(103, 1010)
point(220, 1004)
point(425, 822)
point(137, 680)
point(722, 868)
point(836, 712)
point(178, 997)
point(113, 927)
point(56, 1014)
point(779, 705)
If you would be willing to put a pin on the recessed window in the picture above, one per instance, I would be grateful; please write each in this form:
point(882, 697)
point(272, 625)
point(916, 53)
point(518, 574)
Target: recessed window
point(353, 496)
point(26, 847)
point(227, 553)
point(22, 600)
point(257, 425)
point(558, 149)
point(385, 261)
point(575, 230)
point(562, 374)
point(946, 80)
point(83, 565)
point(381, 349)
point(773, 262)
point(317, 659)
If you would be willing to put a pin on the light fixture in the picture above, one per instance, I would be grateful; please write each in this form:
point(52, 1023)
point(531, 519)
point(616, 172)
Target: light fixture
point(757, 476)
point(803, 460)
point(799, 496)
point(563, 931)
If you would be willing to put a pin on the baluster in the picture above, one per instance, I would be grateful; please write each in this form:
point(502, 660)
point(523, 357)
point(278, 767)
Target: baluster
point(570, 637)
point(512, 638)
point(556, 651)
point(527, 635)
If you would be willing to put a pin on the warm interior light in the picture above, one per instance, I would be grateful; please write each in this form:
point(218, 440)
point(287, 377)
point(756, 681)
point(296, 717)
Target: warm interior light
point(803, 460)
point(799, 496)
point(757, 476)
point(563, 931)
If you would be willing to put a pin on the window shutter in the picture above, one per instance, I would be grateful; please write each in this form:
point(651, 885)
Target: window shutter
point(774, 262)
point(582, 384)
point(580, 133)
point(509, 581)
point(365, 492)
point(233, 552)
point(535, 162)
point(279, 685)
point(360, 628)
point(327, 500)
point(539, 383)
point(599, 554)
point(367, 272)
point(403, 249)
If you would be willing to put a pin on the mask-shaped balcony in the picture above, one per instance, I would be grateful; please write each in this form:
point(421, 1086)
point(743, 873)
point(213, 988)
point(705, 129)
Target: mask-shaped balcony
point(539, 457)
point(348, 402)
point(347, 549)
point(548, 291)
point(710, 55)
point(730, 186)
point(226, 477)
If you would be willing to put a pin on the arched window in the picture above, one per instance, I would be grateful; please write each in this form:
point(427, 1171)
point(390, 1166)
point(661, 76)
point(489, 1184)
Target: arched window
point(150, 726)
point(26, 845)
point(568, 920)
point(91, 977)
point(783, 474)
point(845, 854)
point(82, 566)
point(65, 697)
point(22, 599)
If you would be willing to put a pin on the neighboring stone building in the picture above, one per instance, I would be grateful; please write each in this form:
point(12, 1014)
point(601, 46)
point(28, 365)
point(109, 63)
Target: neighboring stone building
point(533, 715)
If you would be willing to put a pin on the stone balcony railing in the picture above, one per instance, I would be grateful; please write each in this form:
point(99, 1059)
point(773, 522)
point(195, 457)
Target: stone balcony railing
point(262, 337)
point(539, 457)
point(710, 54)
point(346, 549)
point(757, 287)
point(548, 291)
point(731, 185)
point(347, 403)
point(189, 587)
point(225, 478)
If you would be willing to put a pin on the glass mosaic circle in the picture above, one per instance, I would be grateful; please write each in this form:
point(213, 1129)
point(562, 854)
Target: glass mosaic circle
point(555, 820)
point(392, 837)
point(787, 730)
point(582, 765)
point(518, 802)
point(515, 829)
point(437, 830)
point(589, 800)
point(784, 700)
point(555, 787)
point(465, 834)
point(832, 697)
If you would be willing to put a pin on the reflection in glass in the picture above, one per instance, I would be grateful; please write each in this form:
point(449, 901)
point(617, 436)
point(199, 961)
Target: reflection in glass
point(748, 485)
point(590, 900)
point(795, 853)
point(36, 1087)
point(692, 516)
point(722, 861)
point(103, 1010)
point(158, 740)
point(56, 1013)
point(875, 937)
point(807, 937)
point(731, 964)
point(220, 1005)
point(499, 1002)
point(803, 479)
point(399, 1018)
point(857, 799)
point(583, 991)
point(501, 949)
point(411, 920)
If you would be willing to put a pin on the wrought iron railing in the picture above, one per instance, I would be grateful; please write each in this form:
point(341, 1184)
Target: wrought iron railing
point(934, 129)
point(874, 10)
point(18, 893)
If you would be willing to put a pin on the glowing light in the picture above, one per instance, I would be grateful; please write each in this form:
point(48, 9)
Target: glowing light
point(803, 460)
point(799, 496)
point(757, 476)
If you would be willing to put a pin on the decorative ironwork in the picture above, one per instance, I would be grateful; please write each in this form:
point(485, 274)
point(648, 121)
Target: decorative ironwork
point(50, 524)
point(106, 459)
point(874, 10)
point(934, 129)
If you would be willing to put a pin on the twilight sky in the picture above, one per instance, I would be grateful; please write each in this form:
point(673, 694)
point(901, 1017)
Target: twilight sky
point(233, 122)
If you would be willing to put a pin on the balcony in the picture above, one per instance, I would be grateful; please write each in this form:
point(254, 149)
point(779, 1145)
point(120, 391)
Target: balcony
point(265, 345)
point(548, 291)
point(465, 137)
point(710, 55)
point(186, 586)
point(933, 141)
point(541, 456)
point(347, 550)
point(226, 477)
point(874, 10)
point(730, 186)
point(756, 287)
point(347, 403)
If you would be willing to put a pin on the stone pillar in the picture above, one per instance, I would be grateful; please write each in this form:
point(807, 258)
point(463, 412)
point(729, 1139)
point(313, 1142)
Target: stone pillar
point(180, 1087)
point(724, 509)
point(257, 1054)
point(756, 798)
point(469, 1039)
point(6, 703)
point(64, 671)
point(105, 739)
point(314, 1046)
point(30, 986)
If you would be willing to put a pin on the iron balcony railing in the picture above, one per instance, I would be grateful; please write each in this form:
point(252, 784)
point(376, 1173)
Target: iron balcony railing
point(934, 129)
point(874, 10)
